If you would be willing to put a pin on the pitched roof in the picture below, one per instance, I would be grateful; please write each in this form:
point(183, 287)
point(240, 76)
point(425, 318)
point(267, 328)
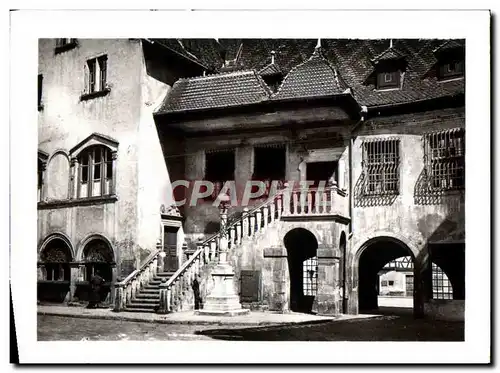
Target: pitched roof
point(216, 91)
point(389, 54)
point(271, 69)
point(448, 45)
point(343, 63)
point(314, 77)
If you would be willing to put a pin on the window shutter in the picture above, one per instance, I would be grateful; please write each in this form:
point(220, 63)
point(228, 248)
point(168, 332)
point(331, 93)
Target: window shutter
point(86, 78)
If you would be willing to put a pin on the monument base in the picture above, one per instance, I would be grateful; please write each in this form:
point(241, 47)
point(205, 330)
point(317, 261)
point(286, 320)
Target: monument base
point(223, 301)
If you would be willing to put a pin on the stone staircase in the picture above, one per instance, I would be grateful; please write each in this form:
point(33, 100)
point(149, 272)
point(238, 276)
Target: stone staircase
point(149, 289)
point(148, 297)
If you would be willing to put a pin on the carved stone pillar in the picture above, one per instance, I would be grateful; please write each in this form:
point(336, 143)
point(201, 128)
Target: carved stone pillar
point(73, 179)
point(73, 279)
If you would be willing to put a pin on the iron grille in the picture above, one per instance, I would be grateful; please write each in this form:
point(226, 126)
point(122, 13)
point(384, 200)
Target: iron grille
point(310, 276)
point(381, 166)
point(444, 154)
point(441, 285)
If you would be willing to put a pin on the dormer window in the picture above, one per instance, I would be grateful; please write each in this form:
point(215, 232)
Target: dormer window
point(388, 79)
point(451, 69)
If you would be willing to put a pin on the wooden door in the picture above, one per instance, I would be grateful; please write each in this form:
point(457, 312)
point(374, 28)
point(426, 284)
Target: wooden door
point(171, 262)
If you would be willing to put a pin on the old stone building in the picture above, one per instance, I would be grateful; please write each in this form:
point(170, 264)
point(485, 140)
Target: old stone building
point(377, 127)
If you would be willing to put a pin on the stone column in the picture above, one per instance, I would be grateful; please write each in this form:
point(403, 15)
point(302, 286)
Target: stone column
point(422, 282)
point(73, 279)
point(73, 179)
point(113, 282)
point(276, 262)
point(328, 299)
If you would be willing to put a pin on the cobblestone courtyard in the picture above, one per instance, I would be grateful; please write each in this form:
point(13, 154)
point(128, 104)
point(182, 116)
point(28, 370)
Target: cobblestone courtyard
point(384, 328)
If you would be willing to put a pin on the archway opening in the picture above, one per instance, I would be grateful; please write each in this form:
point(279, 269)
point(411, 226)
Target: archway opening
point(99, 259)
point(55, 258)
point(375, 283)
point(302, 258)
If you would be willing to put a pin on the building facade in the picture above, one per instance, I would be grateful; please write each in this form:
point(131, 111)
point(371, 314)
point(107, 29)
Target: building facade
point(375, 127)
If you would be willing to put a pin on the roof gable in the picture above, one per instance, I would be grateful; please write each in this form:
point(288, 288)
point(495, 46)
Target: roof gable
point(94, 139)
point(314, 77)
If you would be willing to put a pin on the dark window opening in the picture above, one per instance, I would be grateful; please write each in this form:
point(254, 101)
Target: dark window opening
point(64, 44)
point(322, 171)
point(269, 163)
point(388, 79)
point(441, 285)
point(219, 168)
point(40, 81)
point(273, 81)
point(384, 283)
point(391, 283)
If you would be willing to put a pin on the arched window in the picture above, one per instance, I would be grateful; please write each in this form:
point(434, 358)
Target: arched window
point(98, 257)
point(56, 258)
point(95, 175)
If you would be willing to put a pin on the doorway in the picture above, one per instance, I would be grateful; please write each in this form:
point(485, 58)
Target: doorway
point(302, 258)
point(321, 171)
point(170, 261)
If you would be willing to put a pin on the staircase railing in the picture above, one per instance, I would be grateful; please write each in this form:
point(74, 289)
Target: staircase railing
point(126, 289)
point(249, 224)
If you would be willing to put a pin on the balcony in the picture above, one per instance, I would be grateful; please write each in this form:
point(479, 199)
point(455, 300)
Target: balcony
point(327, 203)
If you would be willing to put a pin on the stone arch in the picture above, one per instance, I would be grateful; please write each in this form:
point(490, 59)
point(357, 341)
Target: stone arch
point(367, 240)
point(299, 225)
point(94, 237)
point(301, 247)
point(56, 236)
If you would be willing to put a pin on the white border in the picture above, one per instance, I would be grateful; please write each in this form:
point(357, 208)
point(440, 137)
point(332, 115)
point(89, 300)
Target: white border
point(27, 26)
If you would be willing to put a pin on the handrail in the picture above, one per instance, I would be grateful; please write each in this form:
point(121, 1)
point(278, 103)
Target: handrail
point(195, 255)
point(136, 272)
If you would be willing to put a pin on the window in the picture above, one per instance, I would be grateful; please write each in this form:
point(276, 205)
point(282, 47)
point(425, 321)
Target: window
point(269, 163)
point(219, 168)
point(310, 276)
point(95, 172)
point(40, 179)
point(391, 283)
point(444, 154)
point(40, 80)
point(388, 79)
point(384, 283)
point(441, 285)
point(96, 76)
point(64, 44)
point(451, 69)
point(381, 166)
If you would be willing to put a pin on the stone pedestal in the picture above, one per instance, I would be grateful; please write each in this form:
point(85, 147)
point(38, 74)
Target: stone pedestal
point(328, 299)
point(223, 301)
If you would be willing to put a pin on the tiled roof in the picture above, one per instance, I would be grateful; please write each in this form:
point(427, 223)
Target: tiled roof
point(271, 69)
point(314, 77)
point(388, 54)
point(448, 45)
point(216, 91)
point(344, 63)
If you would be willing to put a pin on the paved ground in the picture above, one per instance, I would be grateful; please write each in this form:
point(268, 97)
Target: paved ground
point(383, 328)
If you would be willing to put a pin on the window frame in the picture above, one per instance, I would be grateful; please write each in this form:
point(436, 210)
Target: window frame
point(217, 182)
point(445, 73)
point(386, 159)
point(96, 78)
point(87, 171)
point(445, 171)
point(64, 44)
point(394, 83)
point(40, 92)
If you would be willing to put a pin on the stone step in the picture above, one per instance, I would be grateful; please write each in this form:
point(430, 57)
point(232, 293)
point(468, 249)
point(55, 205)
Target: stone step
point(144, 301)
point(146, 290)
point(165, 274)
point(145, 310)
point(142, 295)
point(149, 306)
